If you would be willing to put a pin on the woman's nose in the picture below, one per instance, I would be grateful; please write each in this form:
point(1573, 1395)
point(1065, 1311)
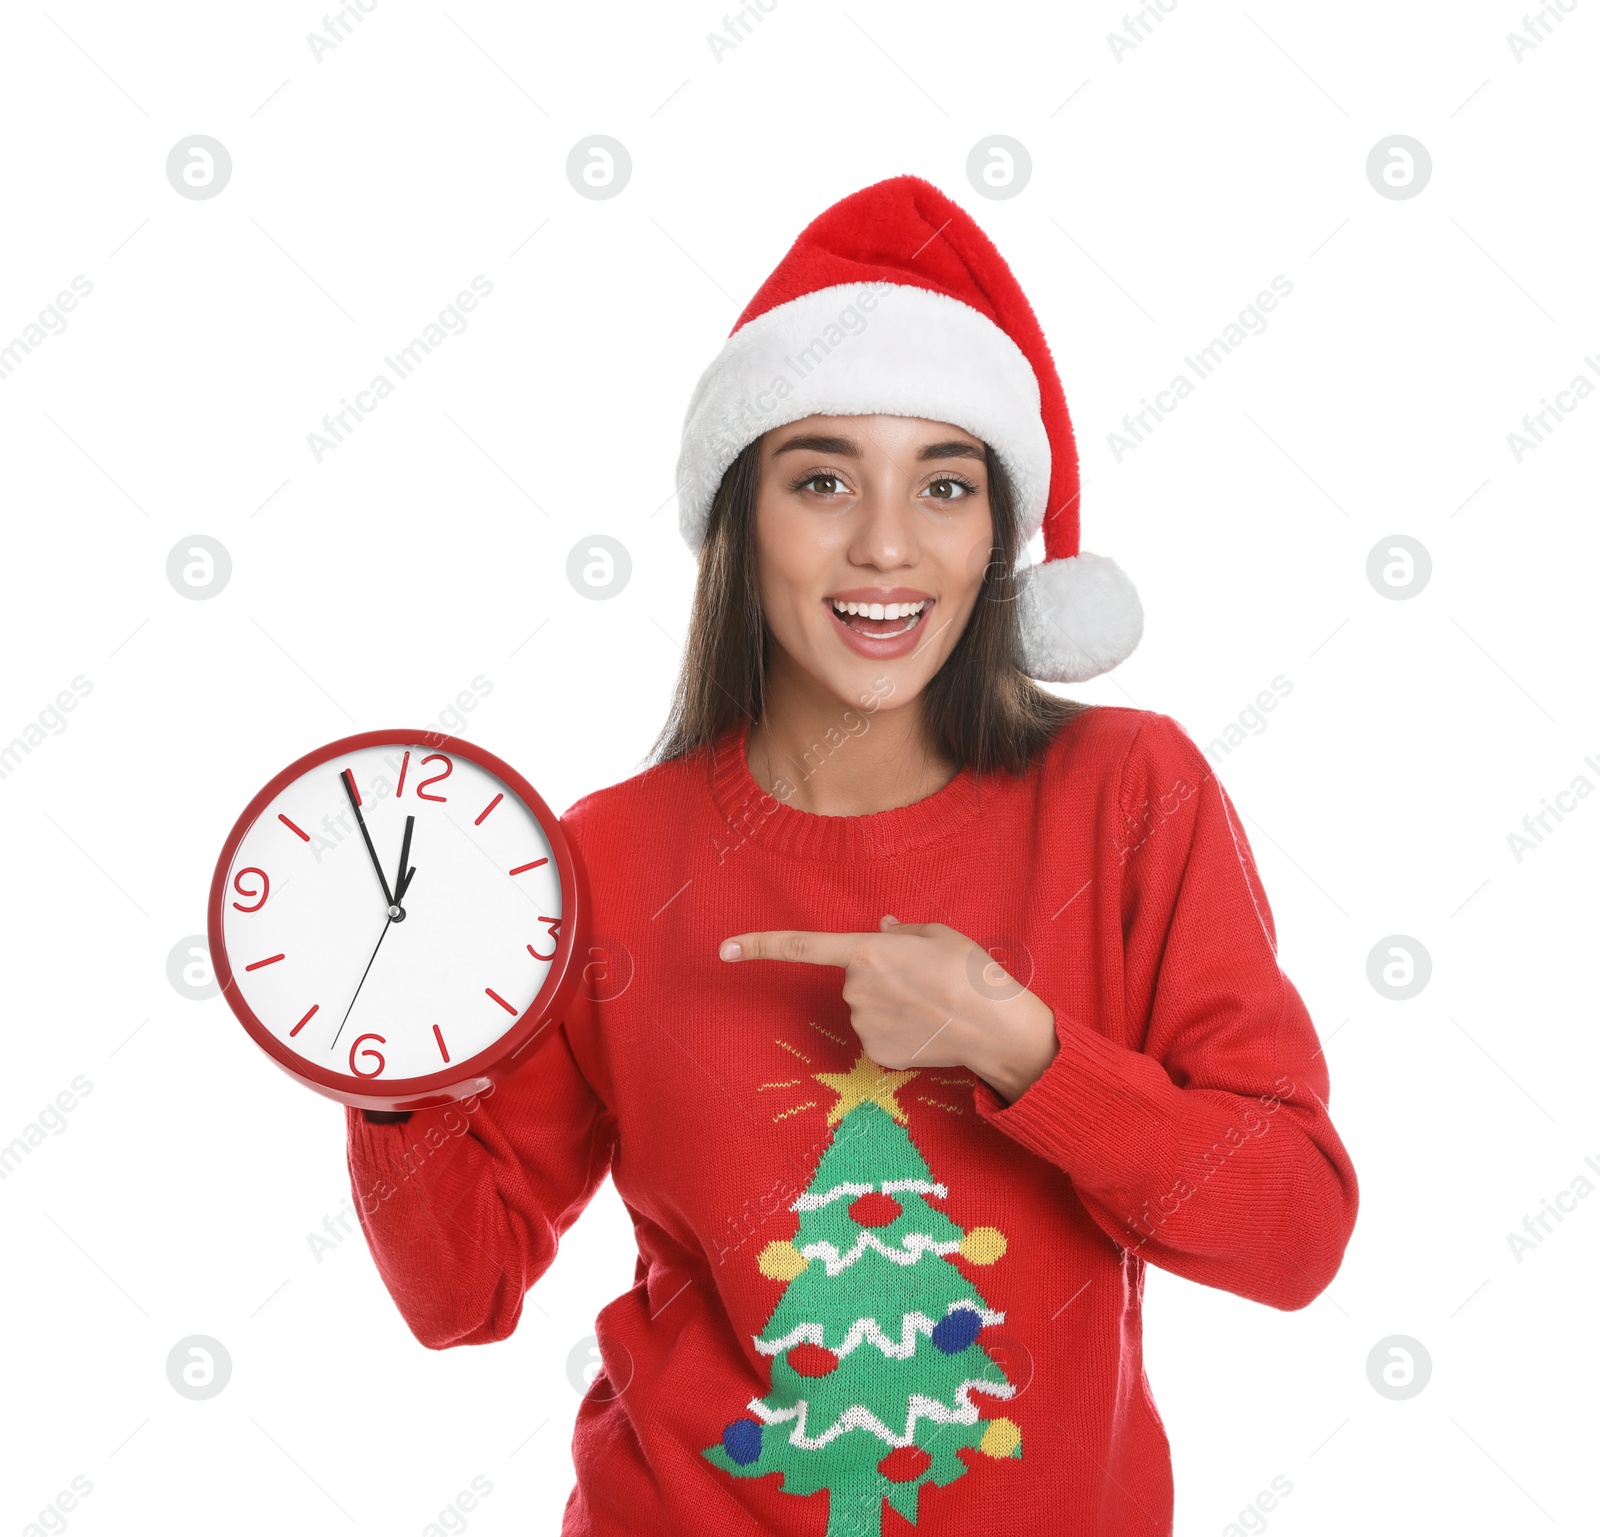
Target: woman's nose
point(885, 534)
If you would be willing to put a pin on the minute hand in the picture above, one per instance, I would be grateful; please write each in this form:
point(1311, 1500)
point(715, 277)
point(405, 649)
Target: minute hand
point(355, 806)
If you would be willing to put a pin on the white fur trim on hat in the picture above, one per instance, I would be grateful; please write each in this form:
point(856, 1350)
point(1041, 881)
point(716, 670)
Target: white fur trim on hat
point(865, 349)
point(1080, 616)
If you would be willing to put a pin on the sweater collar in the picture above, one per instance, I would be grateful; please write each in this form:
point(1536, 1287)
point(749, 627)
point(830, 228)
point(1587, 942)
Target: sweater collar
point(754, 815)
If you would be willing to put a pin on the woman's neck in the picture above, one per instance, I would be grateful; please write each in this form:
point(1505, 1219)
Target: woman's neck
point(831, 759)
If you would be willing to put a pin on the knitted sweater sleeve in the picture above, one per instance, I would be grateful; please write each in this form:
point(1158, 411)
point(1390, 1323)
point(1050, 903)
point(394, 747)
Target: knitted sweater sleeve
point(463, 1204)
point(1195, 1128)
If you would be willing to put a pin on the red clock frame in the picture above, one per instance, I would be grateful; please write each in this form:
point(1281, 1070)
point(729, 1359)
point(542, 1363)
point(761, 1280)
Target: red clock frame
point(530, 1030)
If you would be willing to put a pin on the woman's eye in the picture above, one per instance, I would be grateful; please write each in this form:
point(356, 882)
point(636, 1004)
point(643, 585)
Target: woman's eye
point(823, 485)
point(949, 490)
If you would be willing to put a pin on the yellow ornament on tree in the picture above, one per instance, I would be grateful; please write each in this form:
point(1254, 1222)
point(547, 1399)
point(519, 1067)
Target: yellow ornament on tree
point(983, 1245)
point(1001, 1439)
point(781, 1260)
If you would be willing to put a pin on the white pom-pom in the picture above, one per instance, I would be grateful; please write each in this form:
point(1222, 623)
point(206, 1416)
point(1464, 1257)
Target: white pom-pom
point(1080, 617)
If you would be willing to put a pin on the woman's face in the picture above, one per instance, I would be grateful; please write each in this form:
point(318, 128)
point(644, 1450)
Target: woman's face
point(886, 515)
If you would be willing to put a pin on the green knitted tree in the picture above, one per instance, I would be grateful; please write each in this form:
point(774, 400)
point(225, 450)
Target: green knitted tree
point(874, 1342)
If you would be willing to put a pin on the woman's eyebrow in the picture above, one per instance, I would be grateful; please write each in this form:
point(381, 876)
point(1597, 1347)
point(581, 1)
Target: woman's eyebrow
point(845, 447)
point(848, 448)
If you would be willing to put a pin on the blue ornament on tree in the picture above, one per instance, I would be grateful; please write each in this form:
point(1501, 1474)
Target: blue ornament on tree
point(956, 1330)
point(742, 1441)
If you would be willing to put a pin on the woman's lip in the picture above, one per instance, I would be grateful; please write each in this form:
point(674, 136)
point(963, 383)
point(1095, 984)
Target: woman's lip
point(887, 648)
point(880, 595)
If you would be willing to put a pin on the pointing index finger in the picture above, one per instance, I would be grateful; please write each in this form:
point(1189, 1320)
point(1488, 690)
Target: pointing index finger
point(792, 945)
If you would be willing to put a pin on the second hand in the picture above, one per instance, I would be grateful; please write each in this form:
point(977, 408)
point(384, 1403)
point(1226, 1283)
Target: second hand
point(395, 914)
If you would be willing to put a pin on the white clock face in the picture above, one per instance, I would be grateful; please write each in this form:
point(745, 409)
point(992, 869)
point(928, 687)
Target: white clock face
point(312, 936)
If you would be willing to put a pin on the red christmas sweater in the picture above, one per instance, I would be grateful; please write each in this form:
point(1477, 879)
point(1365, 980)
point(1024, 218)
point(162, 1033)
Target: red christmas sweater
point(860, 1289)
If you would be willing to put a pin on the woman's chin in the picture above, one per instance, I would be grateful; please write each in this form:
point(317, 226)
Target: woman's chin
point(868, 686)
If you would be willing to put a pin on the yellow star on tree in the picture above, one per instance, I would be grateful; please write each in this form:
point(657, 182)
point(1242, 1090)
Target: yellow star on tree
point(865, 1081)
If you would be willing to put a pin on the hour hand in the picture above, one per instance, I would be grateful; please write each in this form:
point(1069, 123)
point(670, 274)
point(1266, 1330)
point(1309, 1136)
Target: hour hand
point(361, 822)
point(402, 876)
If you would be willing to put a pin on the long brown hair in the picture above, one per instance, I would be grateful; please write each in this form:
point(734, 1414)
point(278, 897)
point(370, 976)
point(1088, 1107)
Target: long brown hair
point(980, 708)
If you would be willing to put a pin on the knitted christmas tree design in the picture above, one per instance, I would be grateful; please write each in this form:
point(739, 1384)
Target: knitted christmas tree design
point(874, 1342)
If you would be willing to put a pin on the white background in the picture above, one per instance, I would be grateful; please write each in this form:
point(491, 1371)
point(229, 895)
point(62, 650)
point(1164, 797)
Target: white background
point(1168, 187)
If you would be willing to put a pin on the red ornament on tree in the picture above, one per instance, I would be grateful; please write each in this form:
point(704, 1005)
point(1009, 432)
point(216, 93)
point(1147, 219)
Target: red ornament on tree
point(874, 1209)
point(812, 1360)
point(905, 1463)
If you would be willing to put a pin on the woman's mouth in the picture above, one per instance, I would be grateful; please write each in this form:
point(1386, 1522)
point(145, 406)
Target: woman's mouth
point(881, 624)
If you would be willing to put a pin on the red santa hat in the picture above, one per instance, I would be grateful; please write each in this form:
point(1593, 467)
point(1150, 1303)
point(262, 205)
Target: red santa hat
point(894, 302)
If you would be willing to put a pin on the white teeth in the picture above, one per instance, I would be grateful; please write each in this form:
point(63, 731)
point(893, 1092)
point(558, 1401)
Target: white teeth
point(880, 610)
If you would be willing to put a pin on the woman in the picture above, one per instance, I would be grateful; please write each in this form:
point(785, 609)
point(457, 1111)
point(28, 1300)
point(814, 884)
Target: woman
point(926, 1007)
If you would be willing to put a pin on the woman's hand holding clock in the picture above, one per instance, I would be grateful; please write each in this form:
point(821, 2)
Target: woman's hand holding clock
point(924, 995)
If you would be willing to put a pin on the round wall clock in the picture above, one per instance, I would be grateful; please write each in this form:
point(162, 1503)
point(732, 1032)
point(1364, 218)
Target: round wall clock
point(394, 919)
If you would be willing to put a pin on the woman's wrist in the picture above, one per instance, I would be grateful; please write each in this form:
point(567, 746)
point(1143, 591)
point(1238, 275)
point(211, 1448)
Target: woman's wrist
point(1011, 1042)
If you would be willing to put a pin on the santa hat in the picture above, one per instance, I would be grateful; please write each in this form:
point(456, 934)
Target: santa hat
point(894, 302)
